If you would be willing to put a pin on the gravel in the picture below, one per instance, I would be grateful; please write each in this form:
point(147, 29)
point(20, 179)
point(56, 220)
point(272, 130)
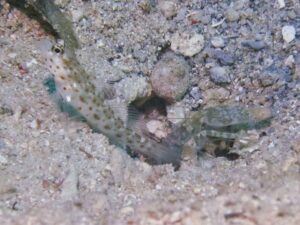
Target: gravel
point(55, 170)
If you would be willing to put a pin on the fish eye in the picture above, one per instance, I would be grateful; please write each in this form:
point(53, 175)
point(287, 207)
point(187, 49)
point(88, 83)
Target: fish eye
point(57, 49)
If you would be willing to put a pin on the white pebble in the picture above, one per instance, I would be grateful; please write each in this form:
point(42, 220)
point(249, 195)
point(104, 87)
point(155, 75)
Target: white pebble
point(176, 113)
point(218, 42)
point(187, 44)
point(168, 8)
point(156, 127)
point(77, 14)
point(281, 4)
point(35, 124)
point(288, 33)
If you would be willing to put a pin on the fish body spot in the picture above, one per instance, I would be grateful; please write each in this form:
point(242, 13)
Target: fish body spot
point(96, 117)
point(107, 127)
point(82, 99)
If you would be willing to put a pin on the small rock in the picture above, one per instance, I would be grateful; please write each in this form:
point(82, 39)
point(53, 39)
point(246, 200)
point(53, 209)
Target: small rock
point(269, 77)
point(288, 33)
point(254, 44)
point(218, 42)
point(134, 88)
point(224, 58)
point(62, 3)
point(220, 75)
point(170, 77)
point(232, 15)
point(168, 8)
point(187, 44)
point(145, 5)
point(128, 210)
point(157, 128)
point(77, 14)
point(35, 124)
point(292, 15)
point(281, 4)
point(176, 217)
point(176, 113)
point(196, 93)
point(218, 94)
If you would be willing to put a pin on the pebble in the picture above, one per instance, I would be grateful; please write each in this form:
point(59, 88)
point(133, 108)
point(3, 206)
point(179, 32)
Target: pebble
point(128, 210)
point(156, 128)
point(77, 14)
point(170, 77)
point(281, 4)
point(195, 98)
point(187, 44)
point(195, 93)
point(219, 75)
point(254, 44)
point(268, 78)
point(292, 15)
point(288, 33)
point(62, 3)
point(134, 88)
point(219, 94)
point(145, 5)
point(224, 58)
point(168, 8)
point(232, 15)
point(35, 124)
point(218, 42)
point(176, 113)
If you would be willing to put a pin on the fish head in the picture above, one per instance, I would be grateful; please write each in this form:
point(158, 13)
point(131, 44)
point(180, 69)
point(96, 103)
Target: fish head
point(57, 60)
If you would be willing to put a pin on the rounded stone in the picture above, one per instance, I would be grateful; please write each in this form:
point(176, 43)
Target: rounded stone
point(288, 33)
point(218, 42)
point(187, 44)
point(220, 75)
point(170, 77)
point(232, 15)
point(168, 8)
